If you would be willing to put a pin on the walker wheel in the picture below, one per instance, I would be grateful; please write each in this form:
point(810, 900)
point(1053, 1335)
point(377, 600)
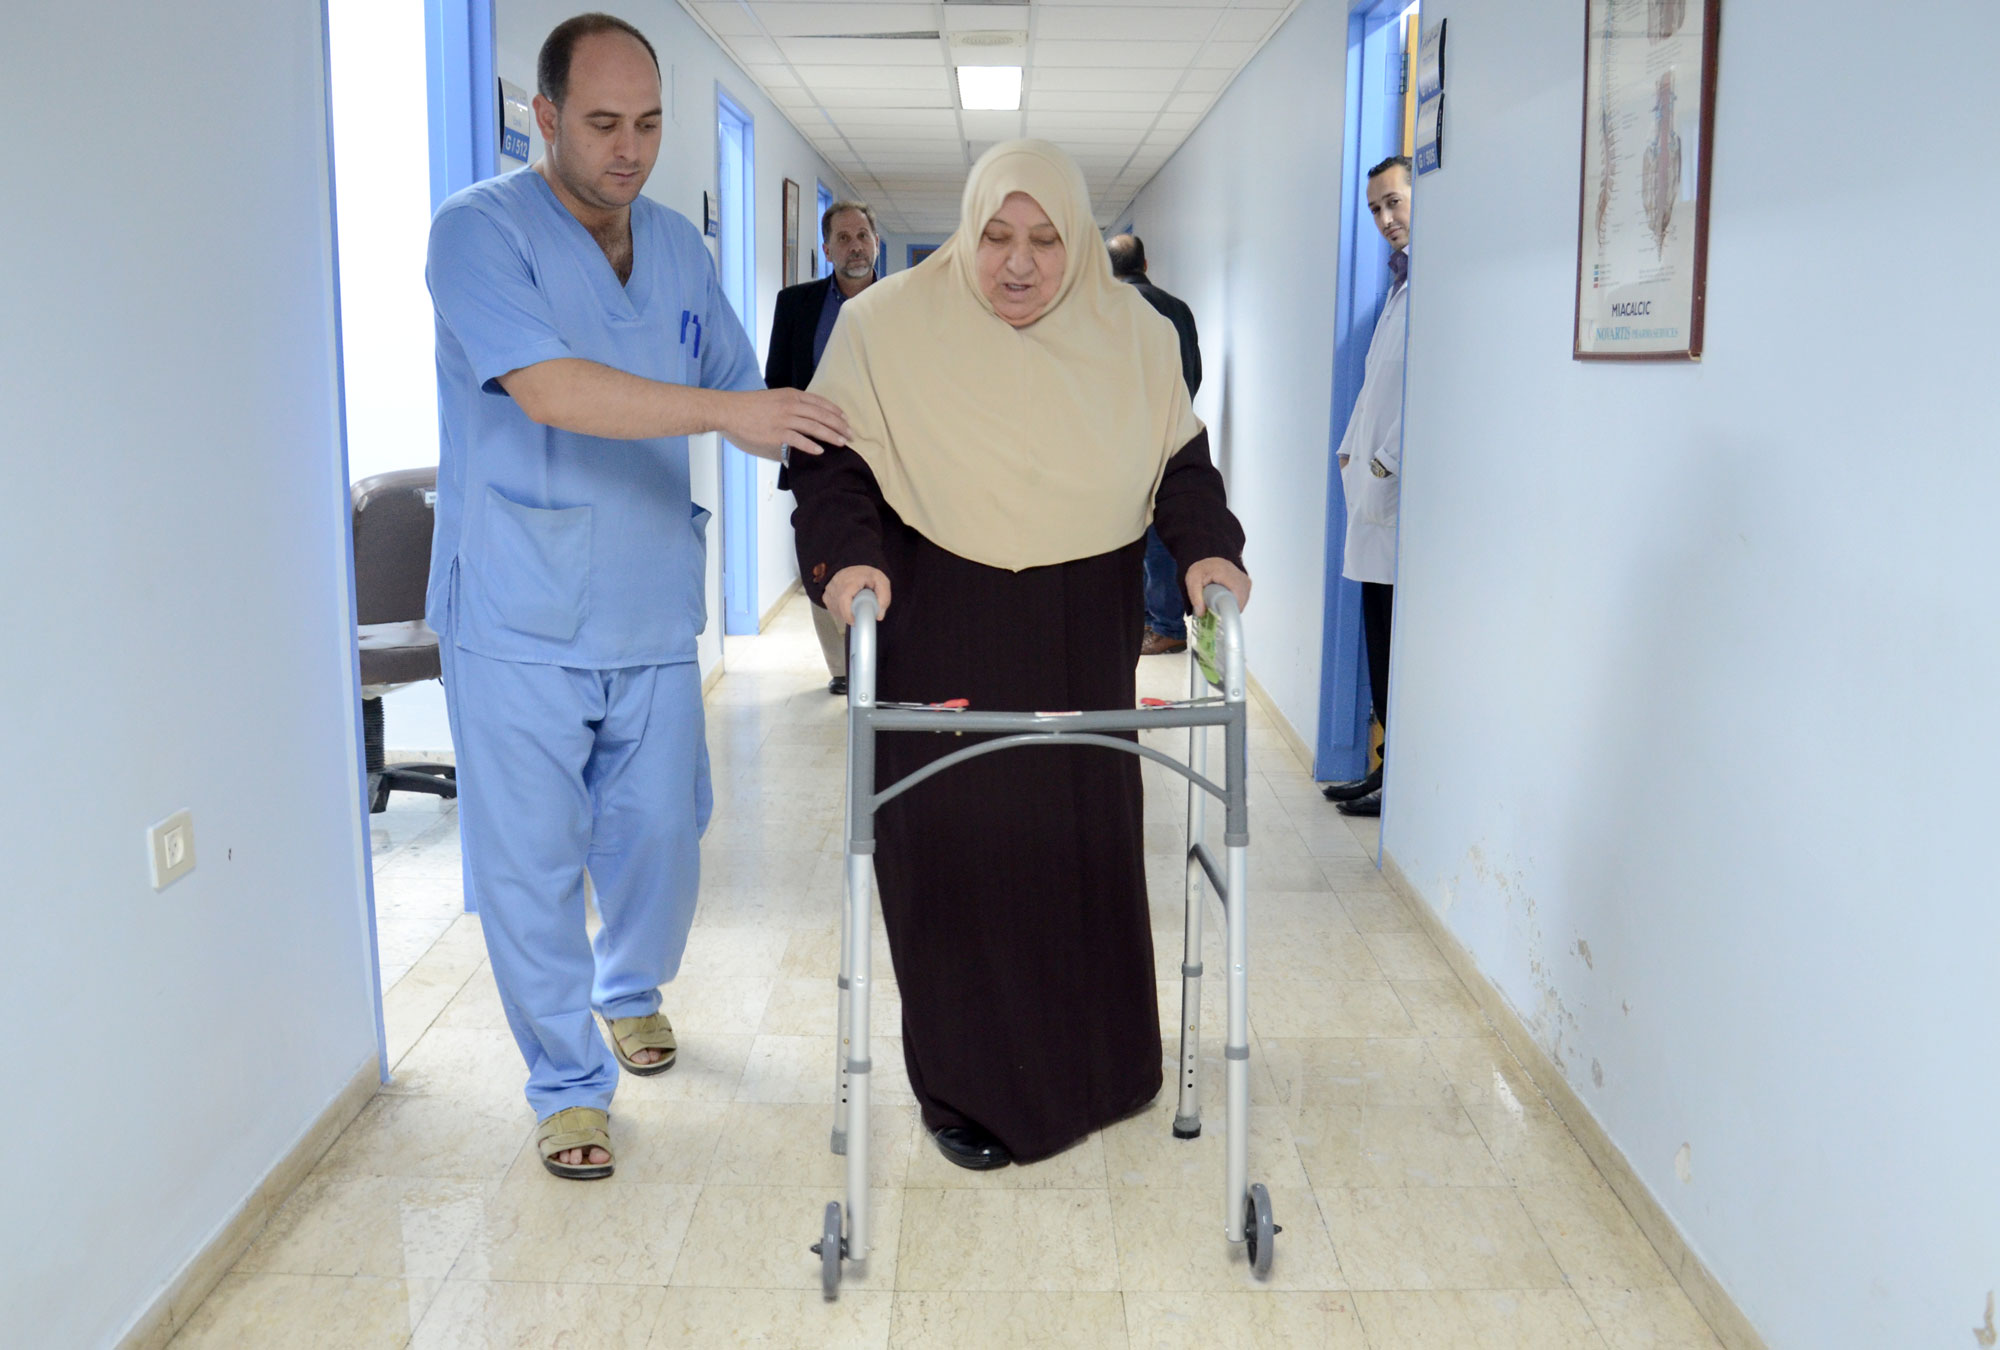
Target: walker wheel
point(828, 1250)
point(1259, 1233)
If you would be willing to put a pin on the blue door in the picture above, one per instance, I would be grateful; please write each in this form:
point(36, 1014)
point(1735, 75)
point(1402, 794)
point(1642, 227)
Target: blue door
point(736, 177)
point(1375, 66)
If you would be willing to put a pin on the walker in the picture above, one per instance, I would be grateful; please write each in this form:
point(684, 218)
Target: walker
point(1246, 1205)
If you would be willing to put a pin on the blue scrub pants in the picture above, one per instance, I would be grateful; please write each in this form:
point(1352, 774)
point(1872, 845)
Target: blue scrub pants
point(561, 770)
point(1165, 606)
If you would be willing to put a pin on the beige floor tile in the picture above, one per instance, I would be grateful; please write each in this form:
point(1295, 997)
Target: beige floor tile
point(1376, 910)
point(1289, 949)
point(711, 1005)
point(479, 1315)
point(787, 868)
point(1521, 1130)
point(707, 1068)
point(1318, 1073)
point(1647, 1319)
point(1437, 1237)
point(1142, 1151)
point(773, 1319)
point(538, 1228)
point(1408, 956)
point(416, 1001)
point(666, 1142)
point(760, 1237)
point(1243, 1320)
point(763, 907)
point(307, 1312)
point(1008, 1321)
point(464, 1062)
point(811, 1007)
point(1348, 874)
point(1381, 1146)
point(740, 830)
point(1174, 1240)
point(814, 954)
point(801, 1069)
point(1441, 1008)
point(733, 953)
point(387, 1227)
point(399, 894)
point(1078, 1167)
point(776, 1144)
point(1594, 1239)
point(971, 1240)
point(1510, 1319)
point(429, 1137)
point(476, 1005)
point(1351, 1008)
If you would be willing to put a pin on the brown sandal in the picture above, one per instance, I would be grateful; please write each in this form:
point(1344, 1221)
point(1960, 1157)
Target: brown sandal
point(576, 1127)
point(630, 1035)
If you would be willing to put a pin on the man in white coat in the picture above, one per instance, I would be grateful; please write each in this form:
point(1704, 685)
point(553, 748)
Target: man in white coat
point(1371, 464)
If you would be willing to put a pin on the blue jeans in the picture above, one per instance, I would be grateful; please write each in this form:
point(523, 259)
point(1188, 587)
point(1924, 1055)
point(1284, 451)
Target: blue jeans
point(1165, 604)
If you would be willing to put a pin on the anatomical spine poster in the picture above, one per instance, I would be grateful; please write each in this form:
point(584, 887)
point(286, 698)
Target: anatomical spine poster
point(1648, 123)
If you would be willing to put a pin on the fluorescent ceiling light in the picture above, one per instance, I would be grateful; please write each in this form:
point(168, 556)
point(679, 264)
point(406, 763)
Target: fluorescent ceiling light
point(989, 88)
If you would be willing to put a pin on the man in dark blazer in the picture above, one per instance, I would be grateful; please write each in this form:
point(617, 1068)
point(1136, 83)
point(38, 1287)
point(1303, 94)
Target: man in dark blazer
point(1166, 629)
point(799, 330)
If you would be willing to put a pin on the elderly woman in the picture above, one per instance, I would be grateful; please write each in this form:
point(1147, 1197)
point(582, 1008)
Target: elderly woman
point(1016, 419)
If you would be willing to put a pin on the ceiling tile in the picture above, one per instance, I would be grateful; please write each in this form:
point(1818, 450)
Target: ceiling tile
point(1052, 52)
point(1111, 23)
point(1065, 100)
point(1107, 78)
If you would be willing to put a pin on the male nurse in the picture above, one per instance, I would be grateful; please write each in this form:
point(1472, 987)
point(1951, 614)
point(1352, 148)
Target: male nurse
point(581, 338)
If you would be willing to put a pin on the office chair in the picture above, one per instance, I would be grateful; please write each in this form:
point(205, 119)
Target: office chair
point(393, 513)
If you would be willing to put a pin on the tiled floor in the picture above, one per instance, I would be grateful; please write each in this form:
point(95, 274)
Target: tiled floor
point(1429, 1196)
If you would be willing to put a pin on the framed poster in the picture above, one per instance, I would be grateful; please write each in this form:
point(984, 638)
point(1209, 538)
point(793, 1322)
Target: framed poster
point(916, 253)
point(789, 271)
point(1427, 129)
point(1649, 71)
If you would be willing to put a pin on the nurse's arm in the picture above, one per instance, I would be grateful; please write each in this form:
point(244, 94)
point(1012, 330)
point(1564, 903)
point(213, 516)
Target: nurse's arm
point(596, 400)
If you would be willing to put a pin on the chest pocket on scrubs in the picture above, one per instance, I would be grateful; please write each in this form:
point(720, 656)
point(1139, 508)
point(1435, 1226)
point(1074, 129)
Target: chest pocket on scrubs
point(537, 566)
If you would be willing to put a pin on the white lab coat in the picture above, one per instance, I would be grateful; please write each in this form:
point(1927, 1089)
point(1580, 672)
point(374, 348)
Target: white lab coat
point(1375, 434)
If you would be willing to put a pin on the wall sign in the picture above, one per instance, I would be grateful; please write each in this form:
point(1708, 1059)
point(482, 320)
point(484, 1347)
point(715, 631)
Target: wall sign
point(1642, 219)
point(1430, 99)
point(711, 216)
point(516, 117)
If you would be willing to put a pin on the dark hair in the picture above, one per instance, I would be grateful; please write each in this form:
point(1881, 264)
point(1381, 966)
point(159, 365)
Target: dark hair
point(1128, 255)
point(826, 217)
point(552, 66)
point(1393, 162)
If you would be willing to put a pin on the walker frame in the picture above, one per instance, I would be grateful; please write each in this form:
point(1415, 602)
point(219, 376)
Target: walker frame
point(1247, 1218)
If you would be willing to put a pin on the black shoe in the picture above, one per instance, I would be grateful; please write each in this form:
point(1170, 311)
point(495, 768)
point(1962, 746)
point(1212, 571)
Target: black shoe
point(837, 686)
point(972, 1148)
point(1360, 787)
point(1370, 805)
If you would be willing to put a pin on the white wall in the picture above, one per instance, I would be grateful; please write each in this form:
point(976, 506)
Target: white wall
point(899, 247)
point(381, 116)
point(179, 635)
point(691, 67)
point(1239, 224)
point(1695, 663)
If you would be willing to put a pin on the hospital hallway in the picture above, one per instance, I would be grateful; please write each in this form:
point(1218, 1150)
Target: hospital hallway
point(1648, 1001)
point(1429, 1195)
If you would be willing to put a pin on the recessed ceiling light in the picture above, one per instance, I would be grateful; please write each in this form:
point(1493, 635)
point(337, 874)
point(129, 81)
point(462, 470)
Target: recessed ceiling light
point(989, 88)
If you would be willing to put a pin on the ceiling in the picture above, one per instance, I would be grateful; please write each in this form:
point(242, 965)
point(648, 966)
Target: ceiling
point(1117, 84)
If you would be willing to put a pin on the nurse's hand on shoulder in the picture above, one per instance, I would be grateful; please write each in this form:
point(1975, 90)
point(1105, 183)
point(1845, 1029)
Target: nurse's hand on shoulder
point(1220, 572)
point(766, 419)
point(849, 582)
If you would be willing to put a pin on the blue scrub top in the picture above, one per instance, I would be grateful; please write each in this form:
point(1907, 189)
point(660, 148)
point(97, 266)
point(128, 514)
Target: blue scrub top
point(554, 547)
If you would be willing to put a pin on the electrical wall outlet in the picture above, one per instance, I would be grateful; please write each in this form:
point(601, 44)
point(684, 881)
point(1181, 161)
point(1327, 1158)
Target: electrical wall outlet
point(171, 843)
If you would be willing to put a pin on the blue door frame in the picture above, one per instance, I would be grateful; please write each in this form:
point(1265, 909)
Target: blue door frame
point(736, 184)
point(1374, 132)
point(465, 101)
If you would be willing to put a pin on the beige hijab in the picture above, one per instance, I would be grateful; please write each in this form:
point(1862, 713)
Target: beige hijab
point(1014, 447)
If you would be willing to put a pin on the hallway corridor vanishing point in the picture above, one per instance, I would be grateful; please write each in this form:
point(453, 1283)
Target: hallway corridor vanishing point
point(1429, 1196)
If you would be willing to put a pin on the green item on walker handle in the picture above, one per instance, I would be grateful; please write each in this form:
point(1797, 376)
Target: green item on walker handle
point(1202, 644)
